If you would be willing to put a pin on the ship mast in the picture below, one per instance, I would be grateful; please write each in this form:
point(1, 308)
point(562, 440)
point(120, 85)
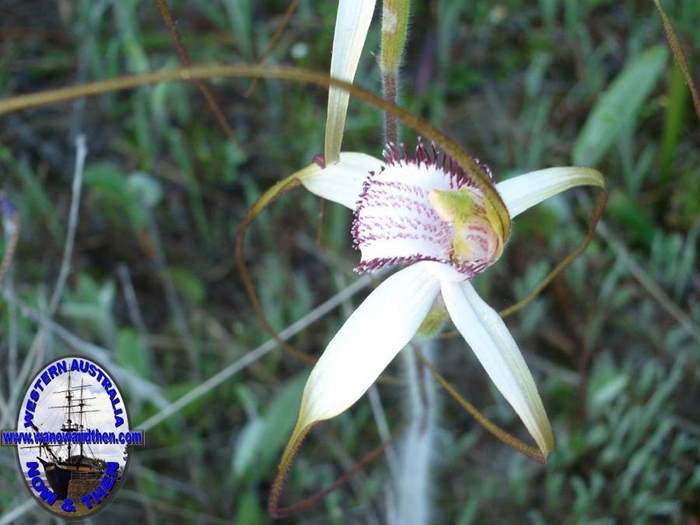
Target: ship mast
point(82, 412)
point(68, 426)
point(71, 424)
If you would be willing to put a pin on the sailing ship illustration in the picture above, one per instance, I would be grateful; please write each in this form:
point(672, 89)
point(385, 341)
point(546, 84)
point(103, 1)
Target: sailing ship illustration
point(71, 469)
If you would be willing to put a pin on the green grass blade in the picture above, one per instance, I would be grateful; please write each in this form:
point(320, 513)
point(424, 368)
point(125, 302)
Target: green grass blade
point(618, 106)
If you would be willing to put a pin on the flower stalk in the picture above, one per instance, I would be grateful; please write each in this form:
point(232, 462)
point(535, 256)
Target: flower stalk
point(413, 484)
point(395, 15)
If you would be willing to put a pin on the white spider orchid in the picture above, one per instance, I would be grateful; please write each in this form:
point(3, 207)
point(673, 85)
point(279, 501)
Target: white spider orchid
point(425, 213)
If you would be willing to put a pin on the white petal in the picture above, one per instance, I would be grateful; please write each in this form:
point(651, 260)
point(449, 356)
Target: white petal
point(351, 26)
point(383, 324)
point(524, 191)
point(498, 353)
point(342, 181)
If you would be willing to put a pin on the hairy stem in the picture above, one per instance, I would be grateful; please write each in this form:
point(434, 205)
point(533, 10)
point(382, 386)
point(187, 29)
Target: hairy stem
point(394, 28)
point(389, 83)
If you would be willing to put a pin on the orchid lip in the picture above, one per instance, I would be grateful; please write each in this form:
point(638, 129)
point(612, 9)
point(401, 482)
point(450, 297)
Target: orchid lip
point(423, 207)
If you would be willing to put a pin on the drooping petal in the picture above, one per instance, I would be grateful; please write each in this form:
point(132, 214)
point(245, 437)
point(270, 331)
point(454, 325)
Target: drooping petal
point(494, 346)
point(342, 181)
point(383, 324)
point(351, 26)
point(524, 191)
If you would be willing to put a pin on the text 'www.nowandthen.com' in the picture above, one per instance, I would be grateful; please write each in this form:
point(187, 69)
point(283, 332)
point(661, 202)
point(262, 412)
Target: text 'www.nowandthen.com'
point(83, 437)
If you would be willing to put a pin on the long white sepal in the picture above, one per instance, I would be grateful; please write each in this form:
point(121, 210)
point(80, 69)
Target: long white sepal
point(368, 341)
point(525, 191)
point(351, 26)
point(340, 182)
point(494, 346)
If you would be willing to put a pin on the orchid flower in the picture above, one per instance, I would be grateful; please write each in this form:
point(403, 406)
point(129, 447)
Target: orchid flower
point(423, 213)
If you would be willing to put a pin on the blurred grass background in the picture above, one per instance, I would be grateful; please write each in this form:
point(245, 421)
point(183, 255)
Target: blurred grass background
point(153, 291)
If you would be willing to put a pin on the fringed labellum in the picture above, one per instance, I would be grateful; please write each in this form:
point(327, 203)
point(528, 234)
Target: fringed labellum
point(425, 208)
